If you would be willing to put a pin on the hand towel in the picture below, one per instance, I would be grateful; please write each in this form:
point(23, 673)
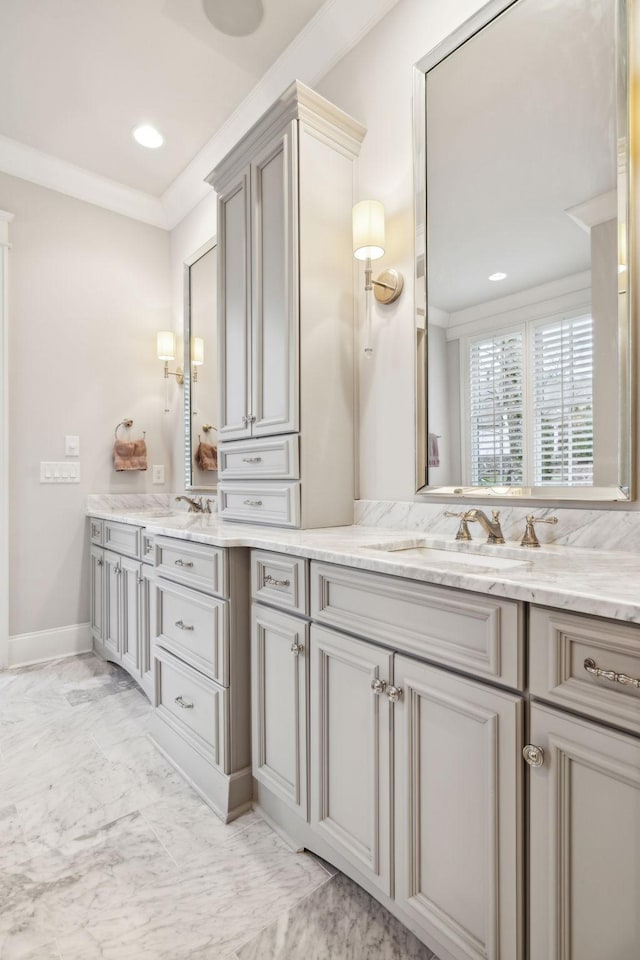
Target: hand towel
point(129, 455)
point(433, 452)
point(207, 456)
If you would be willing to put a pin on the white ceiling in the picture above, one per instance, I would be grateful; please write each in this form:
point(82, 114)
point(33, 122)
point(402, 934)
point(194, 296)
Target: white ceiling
point(78, 75)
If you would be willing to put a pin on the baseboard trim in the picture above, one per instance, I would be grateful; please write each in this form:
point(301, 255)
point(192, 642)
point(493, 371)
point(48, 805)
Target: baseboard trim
point(28, 648)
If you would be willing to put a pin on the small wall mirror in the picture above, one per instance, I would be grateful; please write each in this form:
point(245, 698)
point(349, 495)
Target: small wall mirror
point(200, 365)
point(522, 279)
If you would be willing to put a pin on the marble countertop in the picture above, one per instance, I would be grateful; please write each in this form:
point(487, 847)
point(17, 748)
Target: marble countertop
point(598, 582)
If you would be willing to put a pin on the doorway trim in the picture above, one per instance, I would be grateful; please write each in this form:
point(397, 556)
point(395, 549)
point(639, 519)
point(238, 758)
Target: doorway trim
point(5, 220)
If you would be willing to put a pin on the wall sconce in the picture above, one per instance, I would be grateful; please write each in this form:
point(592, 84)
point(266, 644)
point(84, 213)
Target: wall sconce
point(166, 345)
point(368, 245)
point(197, 356)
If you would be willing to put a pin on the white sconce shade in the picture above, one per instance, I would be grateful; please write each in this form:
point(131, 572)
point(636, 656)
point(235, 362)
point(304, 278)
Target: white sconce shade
point(368, 230)
point(166, 345)
point(197, 351)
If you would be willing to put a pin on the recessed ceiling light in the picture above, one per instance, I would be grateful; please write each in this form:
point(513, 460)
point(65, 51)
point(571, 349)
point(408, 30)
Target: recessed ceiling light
point(147, 136)
point(237, 18)
point(497, 276)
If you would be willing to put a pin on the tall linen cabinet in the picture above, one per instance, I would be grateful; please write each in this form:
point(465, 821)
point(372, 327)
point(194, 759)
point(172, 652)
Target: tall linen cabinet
point(285, 316)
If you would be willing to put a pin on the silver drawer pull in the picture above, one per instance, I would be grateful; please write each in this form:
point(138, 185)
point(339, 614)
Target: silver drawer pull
point(100, 562)
point(297, 648)
point(270, 581)
point(184, 626)
point(378, 686)
point(252, 459)
point(183, 563)
point(183, 703)
point(533, 755)
point(394, 694)
point(253, 503)
point(595, 671)
point(139, 579)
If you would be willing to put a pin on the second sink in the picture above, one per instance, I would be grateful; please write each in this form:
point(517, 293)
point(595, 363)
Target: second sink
point(436, 557)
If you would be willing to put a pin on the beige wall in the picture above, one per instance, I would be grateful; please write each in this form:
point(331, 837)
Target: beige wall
point(88, 290)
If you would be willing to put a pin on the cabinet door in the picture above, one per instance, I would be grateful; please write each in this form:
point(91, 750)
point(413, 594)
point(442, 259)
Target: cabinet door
point(274, 287)
point(234, 298)
point(458, 811)
point(279, 667)
point(96, 592)
point(130, 580)
point(585, 841)
point(147, 628)
point(111, 611)
point(351, 751)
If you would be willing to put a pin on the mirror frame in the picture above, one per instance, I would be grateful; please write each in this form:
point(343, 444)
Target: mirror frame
point(187, 418)
point(624, 489)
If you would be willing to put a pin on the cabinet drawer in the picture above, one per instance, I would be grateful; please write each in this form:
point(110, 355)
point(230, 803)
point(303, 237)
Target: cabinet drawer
point(122, 537)
point(480, 635)
point(195, 628)
point(268, 502)
point(147, 547)
point(274, 457)
point(193, 564)
point(559, 646)
point(194, 706)
point(280, 580)
point(95, 531)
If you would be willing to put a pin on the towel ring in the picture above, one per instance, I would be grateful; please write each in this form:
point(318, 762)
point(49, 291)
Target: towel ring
point(127, 423)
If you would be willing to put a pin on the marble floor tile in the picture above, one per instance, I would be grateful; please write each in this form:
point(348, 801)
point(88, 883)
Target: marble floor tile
point(14, 848)
point(339, 921)
point(49, 951)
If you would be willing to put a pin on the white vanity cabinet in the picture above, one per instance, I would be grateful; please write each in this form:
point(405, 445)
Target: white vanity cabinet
point(584, 788)
point(285, 316)
point(120, 585)
point(200, 614)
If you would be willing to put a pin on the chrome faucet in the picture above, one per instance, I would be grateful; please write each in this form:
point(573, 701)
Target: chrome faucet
point(196, 504)
point(491, 527)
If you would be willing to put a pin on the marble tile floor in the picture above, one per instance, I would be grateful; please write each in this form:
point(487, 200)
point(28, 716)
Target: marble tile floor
point(105, 852)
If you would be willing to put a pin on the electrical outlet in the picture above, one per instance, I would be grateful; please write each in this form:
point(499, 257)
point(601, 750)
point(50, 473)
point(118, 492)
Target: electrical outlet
point(157, 473)
point(72, 446)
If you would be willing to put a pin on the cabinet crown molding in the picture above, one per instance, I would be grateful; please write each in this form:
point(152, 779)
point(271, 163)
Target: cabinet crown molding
point(298, 102)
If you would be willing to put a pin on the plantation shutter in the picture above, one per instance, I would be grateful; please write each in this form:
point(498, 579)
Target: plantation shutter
point(496, 408)
point(563, 402)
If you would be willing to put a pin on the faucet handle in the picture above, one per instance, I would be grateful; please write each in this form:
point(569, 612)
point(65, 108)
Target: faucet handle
point(530, 538)
point(463, 530)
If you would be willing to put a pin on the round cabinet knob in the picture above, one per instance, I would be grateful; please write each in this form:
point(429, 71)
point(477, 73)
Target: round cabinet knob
point(394, 694)
point(533, 755)
point(378, 686)
point(297, 648)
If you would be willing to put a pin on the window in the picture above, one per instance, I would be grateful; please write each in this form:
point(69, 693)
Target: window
point(537, 428)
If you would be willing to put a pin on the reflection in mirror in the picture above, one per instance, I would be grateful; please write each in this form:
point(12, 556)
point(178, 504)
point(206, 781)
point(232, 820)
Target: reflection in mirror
point(523, 138)
point(200, 354)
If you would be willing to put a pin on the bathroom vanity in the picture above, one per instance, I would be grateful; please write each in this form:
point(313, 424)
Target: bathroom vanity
point(430, 717)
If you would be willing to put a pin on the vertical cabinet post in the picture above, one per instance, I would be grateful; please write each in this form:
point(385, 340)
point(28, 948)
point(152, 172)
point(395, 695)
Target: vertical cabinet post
point(112, 620)
point(129, 583)
point(96, 593)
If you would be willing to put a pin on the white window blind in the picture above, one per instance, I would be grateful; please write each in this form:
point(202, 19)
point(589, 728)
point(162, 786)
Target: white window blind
point(563, 402)
point(496, 409)
point(530, 405)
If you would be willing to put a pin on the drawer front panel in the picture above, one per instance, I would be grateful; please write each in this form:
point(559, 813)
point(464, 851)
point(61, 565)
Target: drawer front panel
point(122, 537)
point(277, 504)
point(465, 630)
point(193, 705)
point(562, 646)
point(276, 458)
point(195, 628)
point(95, 530)
point(280, 580)
point(193, 564)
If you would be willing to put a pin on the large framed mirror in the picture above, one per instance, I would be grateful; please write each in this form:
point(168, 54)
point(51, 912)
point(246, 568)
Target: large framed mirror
point(523, 287)
point(200, 365)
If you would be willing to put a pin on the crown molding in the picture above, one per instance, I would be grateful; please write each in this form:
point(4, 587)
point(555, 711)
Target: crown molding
point(334, 30)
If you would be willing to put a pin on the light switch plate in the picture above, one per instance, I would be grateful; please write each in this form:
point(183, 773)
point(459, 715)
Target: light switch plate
point(157, 473)
point(65, 472)
point(72, 446)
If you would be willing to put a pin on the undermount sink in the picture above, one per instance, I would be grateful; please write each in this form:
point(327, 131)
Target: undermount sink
point(436, 556)
point(152, 514)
